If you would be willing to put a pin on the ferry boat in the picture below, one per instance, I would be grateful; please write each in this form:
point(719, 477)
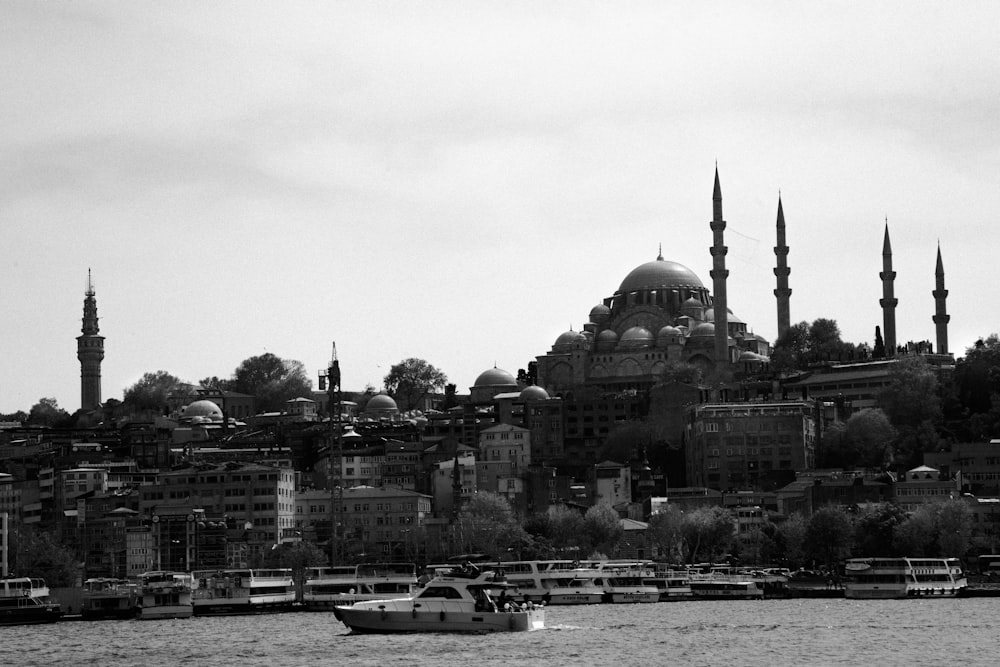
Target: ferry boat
point(718, 586)
point(553, 581)
point(887, 578)
point(328, 587)
point(237, 592)
point(625, 583)
point(462, 600)
point(24, 601)
point(673, 584)
point(107, 597)
point(165, 595)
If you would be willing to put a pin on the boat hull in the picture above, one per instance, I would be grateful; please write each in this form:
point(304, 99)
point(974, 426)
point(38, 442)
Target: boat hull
point(229, 608)
point(373, 621)
point(165, 612)
point(34, 615)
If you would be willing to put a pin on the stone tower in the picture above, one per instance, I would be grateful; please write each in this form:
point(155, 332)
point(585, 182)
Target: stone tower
point(719, 275)
point(941, 317)
point(888, 300)
point(781, 271)
point(90, 352)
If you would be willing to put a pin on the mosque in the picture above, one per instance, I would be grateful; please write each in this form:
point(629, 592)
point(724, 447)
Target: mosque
point(661, 313)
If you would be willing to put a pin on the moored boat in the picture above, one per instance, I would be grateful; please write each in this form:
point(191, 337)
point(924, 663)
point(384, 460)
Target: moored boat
point(238, 592)
point(165, 595)
point(887, 578)
point(107, 597)
point(459, 601)
point(553, 582)
point(24, 601)
point(328, 587)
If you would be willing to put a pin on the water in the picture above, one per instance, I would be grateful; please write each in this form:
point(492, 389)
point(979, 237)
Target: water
point(771, 632)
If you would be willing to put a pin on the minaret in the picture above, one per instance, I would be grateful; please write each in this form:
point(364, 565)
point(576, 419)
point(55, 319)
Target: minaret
point(90, 352)
point(781, 271)
point(941, 317)
point(888, 301)
point(719, 275)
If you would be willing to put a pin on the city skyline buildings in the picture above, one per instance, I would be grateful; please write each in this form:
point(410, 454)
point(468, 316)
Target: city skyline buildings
point(333, 174)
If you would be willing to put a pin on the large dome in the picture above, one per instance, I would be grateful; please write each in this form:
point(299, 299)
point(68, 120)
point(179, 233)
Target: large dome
point(204, 409)
point(381, 402)
point(660, 274)
point(494, 377)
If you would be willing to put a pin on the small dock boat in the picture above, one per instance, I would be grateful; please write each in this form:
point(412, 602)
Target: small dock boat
point(463, 600)
point(105, 598)
point(165, 595)
point(24, 601)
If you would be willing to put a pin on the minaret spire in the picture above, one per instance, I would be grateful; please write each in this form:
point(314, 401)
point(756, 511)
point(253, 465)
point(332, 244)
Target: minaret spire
point(781, 271)
point(941, 317)
point(888, 300)
point(719, 275)
point(90, 351)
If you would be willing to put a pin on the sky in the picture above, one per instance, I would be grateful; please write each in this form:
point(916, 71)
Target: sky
point(463, 181)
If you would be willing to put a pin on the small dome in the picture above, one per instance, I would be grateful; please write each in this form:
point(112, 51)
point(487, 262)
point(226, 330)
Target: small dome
point(495, 376)
point(703, 330)
point(204, 410)
point(668, 331)
point(534, 393)
point(567, 340)
point(607, 336)
point(600, 313)
point(381, 402)
point(636, 337)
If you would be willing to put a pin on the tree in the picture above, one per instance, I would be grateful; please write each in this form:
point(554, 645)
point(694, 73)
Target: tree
point(683, 372)
point(911, 402)
point(19, 416)
point(297, 556)
point(603, 527)
point(790, 349)
point(411, 380)
point(46, 412)
point(272, 380)
point(666, 535)
point(791, 540)
point(487, 524)
point(976, 383)
point(151, 391)
point(874, 529)
point(709, 533)
point(828, 535)
point(39, 554)
point(565, 528)
point(824, 341)
point(862, 441)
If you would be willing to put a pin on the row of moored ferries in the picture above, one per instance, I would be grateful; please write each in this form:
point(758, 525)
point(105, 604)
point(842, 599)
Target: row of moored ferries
point(164, 594)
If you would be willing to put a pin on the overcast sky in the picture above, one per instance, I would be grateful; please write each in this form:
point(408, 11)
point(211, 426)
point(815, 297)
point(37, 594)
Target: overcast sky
point(463, 181)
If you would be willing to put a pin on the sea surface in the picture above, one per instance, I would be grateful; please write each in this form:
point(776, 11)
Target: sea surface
point(874, 633)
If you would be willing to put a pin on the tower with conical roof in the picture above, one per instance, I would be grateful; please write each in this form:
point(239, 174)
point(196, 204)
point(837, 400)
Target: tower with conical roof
point(888, 300)
point(941, 317)
point(90, 351)
point(719, 275)
point(781, 271)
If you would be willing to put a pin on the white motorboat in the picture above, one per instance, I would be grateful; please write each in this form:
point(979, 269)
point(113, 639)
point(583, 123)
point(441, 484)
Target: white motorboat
point(466, 600)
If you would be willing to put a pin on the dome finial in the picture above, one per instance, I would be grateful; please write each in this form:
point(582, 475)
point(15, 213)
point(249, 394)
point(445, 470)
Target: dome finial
point(659, 255)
